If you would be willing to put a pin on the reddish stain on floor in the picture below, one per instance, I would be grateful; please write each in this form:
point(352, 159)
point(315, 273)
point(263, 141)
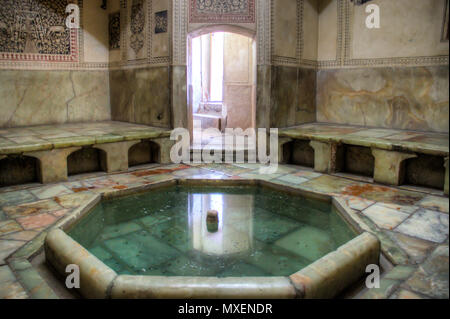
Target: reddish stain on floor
point(360, 189)
point(81, 189)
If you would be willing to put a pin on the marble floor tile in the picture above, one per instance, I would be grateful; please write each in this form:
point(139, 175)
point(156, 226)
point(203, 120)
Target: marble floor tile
point(6, 275)
point(12, 290)
point(383, 194)
point(384, 217)
point(416, 248)
point(432, 277)
point(292, 179)
point(9, 226)
point(16, 197)
point(257, 175)
point(307, 174)
point(435, 203)
point(124, 178)
point(190, 172)
point(406, 294)
point(25, 235)
point(7, 247)
point(327, 184)
point(426, 224)
point(73, 200)
point(36, 221)
point(357, 203)
point(31, 208)
point(50, 191)
point(407, 209)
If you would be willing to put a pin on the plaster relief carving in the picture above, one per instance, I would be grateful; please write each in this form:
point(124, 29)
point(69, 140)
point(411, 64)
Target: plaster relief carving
point(161, 22)
point(137, 25)
point(114, 31)
point(222, 11)
point(36, 31)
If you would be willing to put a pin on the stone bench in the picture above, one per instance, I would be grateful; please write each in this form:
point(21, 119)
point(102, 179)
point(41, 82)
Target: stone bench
point(390, 148)
point(52, 144)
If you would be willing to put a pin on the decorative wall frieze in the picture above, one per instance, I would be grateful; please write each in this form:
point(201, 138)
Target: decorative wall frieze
point(221, 11)
point(35, 31)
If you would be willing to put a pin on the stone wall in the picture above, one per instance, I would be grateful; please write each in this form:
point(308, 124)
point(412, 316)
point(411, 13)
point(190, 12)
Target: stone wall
point(293, 96)
point(139, 52)
point(128, 62)
point(48, 73)
point(141, 95)
point(411, 98)
point(53, 97)
point(294, 27)
point(392, 77)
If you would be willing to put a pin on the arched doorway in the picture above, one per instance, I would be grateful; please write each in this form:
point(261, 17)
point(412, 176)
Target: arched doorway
point(221, 81)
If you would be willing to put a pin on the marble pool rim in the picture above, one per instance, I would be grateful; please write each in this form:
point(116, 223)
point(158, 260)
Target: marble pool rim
point(293, 286)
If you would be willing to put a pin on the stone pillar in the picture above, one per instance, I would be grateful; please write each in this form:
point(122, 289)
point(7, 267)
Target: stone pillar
point(116, 155)
point(388, 166)
point(446, 176)
point(263, 88)
point(327, 157)
point(53, 163)
point(165, 145)
point(179, 96)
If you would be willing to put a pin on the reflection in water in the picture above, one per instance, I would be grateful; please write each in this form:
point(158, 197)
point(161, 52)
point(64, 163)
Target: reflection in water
point(235, 230)
point(261, 232)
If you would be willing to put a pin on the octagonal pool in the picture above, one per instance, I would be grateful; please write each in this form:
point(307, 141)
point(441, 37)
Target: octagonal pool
point(260, 232)
point(186, 238)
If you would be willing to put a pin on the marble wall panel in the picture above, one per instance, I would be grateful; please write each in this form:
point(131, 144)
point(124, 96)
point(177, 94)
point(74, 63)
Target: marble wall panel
point(414, 98)
point(293, 96)
point(141, 96)
point(49, 97)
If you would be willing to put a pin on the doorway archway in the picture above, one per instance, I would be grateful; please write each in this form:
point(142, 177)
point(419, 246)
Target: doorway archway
point(221, 80)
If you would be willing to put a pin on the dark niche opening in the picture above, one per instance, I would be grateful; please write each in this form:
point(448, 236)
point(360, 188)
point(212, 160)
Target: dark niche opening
point(425, 170)
point(298, 152)
point(357, 160)
point(86, 160)
point(145, 152)
point(17, 170)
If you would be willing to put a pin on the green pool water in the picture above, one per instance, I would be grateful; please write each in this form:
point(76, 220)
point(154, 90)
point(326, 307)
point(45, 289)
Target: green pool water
point(262, 232)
